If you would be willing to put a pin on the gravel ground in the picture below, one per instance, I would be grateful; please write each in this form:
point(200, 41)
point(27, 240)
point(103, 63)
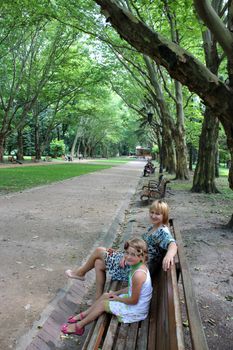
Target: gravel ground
point(48, 229)
point(51, 228)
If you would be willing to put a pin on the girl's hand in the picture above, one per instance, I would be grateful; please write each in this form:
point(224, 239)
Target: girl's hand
point(114, 297)
point(110, 251)
point(122, 263)
point(168, 261)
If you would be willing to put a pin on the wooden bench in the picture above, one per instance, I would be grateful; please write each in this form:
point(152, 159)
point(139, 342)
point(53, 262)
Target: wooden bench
point(163, 329)
point(154, 190)
point(14, 160)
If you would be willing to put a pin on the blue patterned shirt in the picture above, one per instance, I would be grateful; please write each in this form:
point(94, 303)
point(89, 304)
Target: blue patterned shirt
point(157, 242)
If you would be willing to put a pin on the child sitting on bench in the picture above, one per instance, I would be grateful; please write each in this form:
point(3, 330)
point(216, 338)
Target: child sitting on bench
point(130, 304)
point(161, 248)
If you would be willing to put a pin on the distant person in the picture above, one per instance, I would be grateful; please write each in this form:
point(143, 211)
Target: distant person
point(161, 249)
point(130, 304)
point(148, 168)
point(68, 158)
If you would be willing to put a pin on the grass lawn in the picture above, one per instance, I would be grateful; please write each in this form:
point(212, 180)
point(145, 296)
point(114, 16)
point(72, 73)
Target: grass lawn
point(17, 179)
point(221, 184)
point(116, 160)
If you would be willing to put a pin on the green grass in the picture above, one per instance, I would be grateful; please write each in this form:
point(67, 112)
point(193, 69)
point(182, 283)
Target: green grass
point(223, 171)
point(18, 179)
point(221, 184)
point(116, 160)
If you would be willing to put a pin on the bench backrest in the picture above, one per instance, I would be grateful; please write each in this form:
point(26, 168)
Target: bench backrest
point(165, 328)
point(197, 335)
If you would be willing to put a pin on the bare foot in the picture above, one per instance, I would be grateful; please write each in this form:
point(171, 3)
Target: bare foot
point(71, 274)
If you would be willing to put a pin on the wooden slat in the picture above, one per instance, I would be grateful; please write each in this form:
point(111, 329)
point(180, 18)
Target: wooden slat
point(122, 337)
point(132, 336)
point(142, 339)
point(99, 328)
point(97, 335)
point(177, 310)
point(89, 335)
point(111, 334)
point(162, 325)
point(172, 310)
point(195, 325)
point(153, 315)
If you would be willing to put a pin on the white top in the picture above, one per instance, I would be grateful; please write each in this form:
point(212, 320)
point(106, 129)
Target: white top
point(138, 312)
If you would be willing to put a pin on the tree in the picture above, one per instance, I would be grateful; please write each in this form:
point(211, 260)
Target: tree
point(181, 65)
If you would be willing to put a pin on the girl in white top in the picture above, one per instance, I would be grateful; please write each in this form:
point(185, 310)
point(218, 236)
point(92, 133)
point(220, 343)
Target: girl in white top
point(130, 304)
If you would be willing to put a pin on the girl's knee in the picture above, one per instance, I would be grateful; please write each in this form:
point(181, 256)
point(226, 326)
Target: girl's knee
point(104, 296)
point(100, 250)
point(99, 264)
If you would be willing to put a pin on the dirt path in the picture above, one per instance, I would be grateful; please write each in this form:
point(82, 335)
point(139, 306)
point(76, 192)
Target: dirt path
point(48, 229)
point(51, 228)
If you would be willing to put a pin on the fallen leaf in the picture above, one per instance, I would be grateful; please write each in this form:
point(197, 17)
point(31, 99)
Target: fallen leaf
point(27, 307)
point(48, 269)
point(211, 321)
point(186, 323)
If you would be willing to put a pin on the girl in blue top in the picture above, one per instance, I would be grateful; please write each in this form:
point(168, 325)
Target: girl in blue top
point(161, 248)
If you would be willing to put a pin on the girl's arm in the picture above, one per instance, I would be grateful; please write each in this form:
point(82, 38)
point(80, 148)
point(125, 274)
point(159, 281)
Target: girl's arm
point(168, 260)
point(137, 282)
point(118, 292)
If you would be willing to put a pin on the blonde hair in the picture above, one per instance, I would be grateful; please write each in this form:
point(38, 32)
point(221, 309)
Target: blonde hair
point(162, 208)
point(140, 246)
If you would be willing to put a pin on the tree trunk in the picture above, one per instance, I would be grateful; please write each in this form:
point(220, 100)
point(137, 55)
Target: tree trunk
point(169, 159)
point(37, 138)
point(74, 143)
point(209, 137)
point(166, 119)
point(190, 148)
point(217, 163)
point(2, 146)
point(20, 145)
point(179, 135)
point(204, 175)
point(230, 223)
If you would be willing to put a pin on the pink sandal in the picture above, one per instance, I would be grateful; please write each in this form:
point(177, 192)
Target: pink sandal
point(70, 274)
point(78, 330)
point(72, 319)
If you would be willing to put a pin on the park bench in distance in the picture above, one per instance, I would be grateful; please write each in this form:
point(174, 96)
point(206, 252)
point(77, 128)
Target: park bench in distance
point(163, 329)
point(154, 190)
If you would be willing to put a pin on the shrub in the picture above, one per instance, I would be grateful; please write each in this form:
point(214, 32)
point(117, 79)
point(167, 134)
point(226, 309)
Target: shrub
point(57, 148)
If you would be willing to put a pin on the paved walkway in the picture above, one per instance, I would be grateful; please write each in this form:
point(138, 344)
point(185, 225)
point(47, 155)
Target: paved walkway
point(98, 201)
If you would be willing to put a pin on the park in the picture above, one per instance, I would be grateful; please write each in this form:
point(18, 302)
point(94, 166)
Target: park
point(105, 107)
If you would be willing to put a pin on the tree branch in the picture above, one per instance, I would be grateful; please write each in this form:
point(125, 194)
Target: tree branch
point(215, 24)
point(180, 64)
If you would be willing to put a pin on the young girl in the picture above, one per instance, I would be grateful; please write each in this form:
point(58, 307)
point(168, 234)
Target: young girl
point(161, 247)
point(130, 304)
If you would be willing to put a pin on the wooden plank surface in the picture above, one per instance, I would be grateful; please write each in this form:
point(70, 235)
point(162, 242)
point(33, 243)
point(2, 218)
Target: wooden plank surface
point(97, 334)
point(111, 334)
point(122, 337)
point(153, 315)
point(142, 339)
point(177, 310)
point(195, 325)
point(132, 336)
